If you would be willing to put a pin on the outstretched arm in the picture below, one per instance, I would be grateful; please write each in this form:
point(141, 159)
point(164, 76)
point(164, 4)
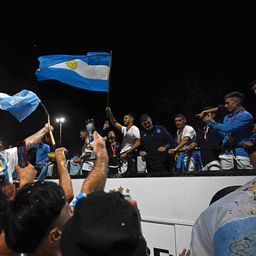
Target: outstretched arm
point(97, 178)
point(210, 110)
point(239, 123)
point(112, 119)
point(32, 140)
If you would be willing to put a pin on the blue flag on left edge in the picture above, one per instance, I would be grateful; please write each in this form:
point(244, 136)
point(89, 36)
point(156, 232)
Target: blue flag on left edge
point(90, 72)
point(20, 105)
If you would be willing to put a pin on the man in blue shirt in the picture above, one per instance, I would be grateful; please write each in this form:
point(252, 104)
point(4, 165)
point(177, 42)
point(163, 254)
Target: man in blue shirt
point(236, 128)
point(42, 150)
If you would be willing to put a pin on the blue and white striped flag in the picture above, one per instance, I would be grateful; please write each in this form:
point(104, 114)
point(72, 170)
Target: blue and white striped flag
point(90, 72)
point(20, 105)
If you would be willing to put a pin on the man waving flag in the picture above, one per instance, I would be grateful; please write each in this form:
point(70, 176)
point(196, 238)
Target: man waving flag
point(20, 105)
point(90, 72)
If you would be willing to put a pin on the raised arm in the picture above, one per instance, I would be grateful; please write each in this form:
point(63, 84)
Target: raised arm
point(64, 177)
point(112, 119)
point(97, 178)
point(32, 140)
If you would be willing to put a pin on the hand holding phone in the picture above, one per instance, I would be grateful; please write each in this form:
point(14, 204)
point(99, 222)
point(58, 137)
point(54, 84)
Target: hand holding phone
point(22, 154)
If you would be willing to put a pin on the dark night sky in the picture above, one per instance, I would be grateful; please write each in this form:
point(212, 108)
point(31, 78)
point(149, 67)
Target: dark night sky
point(155, 72)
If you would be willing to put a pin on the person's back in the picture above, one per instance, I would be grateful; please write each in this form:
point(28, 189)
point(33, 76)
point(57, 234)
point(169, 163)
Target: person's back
point(103, 224)
point(227, 227)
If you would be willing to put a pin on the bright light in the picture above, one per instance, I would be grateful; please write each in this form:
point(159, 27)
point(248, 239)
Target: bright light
point(60, 120)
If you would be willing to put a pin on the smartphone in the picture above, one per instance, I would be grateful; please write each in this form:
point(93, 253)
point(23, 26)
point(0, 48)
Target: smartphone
point(22, 154)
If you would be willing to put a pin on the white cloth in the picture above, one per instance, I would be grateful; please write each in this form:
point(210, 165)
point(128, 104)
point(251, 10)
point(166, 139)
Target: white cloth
point(129, 136)
point(50, 170)
point(212, 166)
point(227, 227)
point(227, 162)
point(10, 156)
point(141, 165)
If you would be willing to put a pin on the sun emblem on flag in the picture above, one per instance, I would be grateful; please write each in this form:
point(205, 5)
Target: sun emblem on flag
point(72, 64)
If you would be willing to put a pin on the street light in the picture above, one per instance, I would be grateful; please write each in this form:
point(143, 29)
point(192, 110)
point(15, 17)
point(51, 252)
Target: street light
point(60, 120)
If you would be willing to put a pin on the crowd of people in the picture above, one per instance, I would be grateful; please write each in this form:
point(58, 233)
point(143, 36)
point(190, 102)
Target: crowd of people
point(151, 149)
point(44, 218)
point(39, 217)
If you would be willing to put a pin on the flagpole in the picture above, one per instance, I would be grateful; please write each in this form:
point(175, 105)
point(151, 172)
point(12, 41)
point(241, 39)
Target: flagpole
point(109, 76)
point(48, 118)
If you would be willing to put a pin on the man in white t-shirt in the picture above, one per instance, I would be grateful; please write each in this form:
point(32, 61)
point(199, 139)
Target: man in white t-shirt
point(187, 160)
point(131, 141)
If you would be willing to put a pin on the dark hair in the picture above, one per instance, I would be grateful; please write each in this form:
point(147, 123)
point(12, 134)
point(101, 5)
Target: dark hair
point(46, 136)
point(221, 193)
point(180, 115)
point(144, 117)
point(237, 95)
point(130, 115)
point(103, 224)
point(31, 214)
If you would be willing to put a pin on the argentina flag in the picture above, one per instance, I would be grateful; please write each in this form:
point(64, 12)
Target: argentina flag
point(90, 72)
point(20, 105)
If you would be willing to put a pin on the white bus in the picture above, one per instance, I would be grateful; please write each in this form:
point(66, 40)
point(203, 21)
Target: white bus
point(169, 206)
